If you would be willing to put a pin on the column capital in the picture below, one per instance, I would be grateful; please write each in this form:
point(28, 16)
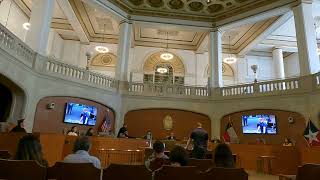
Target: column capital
point(125, 21)
point(298, 2)
point(276, 47)
point(216, 29)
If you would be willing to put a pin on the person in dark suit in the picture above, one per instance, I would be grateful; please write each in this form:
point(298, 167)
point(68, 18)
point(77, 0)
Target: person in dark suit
point(123, 132)
point(19, 127)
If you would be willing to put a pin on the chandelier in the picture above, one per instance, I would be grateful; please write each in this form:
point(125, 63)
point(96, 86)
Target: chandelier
point(102, 49)
point(162, 70)
point(26, 26)
point(166, 55)
point(230, 59)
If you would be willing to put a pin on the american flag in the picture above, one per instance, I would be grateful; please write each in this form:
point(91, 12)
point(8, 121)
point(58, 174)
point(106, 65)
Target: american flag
point(106, 125)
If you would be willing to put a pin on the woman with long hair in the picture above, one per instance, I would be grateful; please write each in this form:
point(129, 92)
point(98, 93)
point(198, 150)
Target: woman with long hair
point(223, 156)
point(29, 148)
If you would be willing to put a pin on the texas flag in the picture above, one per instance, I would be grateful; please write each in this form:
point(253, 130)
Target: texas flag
point(312, 134)
point(230, 135)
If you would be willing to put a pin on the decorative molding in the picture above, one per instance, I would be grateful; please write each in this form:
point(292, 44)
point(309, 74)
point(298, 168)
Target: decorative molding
point(103, 61)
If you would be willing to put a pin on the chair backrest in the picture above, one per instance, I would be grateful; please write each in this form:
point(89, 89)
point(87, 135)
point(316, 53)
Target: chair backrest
point(126, 172)
point(201, 164)
point(4, 154)
point(73, 171)
point(21, 169)
point(171, 172)
point(225, 173)
point(158, 163)
point(309, 172)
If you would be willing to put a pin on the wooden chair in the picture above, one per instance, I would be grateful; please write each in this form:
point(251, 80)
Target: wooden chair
point(18, 169)
point(73, 171)
point(175, 173)
point(158, 163)
point(201, 164)
point(4, 154)
point(309, 172)
point(225, 173)
point(126, 172)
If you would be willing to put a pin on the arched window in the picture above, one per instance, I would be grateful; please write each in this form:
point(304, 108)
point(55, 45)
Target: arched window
point(159, 71)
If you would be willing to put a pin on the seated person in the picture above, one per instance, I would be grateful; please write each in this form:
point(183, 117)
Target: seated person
point(73, 131)
point(29, 148)
point(171, 137)
point(223, 156)
point(123, 132)
point(179, 156)
point(287, 142)
point(19, 127)
point(90, 132)
point(157, 158)
point(80, 149)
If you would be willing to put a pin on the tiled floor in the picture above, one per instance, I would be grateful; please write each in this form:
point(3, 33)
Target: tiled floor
point(256, 176)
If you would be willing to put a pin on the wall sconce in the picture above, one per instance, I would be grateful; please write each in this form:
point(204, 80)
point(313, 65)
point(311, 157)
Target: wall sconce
point(88, 54)
point(254, 69)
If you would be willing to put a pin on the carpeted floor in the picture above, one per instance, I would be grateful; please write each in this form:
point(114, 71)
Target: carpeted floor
point(256, 176)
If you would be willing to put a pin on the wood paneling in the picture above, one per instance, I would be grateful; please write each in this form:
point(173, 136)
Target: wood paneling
point(140, 121)
point(51, 120)
point(293, 131)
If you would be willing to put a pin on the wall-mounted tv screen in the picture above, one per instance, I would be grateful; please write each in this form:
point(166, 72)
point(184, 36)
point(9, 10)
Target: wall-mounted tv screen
point(259, 124)
point(80, 114)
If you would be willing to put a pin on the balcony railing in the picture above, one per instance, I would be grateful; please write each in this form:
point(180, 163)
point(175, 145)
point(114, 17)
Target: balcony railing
point(13, 46)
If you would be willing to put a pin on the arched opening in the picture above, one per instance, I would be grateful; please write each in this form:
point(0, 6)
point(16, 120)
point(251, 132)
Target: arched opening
point(12, 100)
point(227, 74)
point(157, 70)
point(5, 103)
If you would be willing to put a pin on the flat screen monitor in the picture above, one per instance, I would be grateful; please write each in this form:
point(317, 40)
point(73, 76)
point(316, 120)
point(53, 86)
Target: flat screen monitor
point(259, 124)
point(80, 114)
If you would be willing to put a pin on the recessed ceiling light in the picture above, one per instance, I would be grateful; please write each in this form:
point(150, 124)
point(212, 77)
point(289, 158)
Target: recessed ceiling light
point(162, 70)
point(166, 56)
point(26, 26)
point(230, 60)
point(101, 49)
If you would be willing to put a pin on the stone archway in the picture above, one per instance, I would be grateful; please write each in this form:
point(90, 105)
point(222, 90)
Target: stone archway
point(154, 61)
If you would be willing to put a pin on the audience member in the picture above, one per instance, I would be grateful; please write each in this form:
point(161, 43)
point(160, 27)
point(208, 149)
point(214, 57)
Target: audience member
point(223, 156)
point(29, 148)
point(19, 127)
point(123, 132)
point(81, 153)
point(179, 156)
point(287, 142)
point(171, 137)
point(90, 132)
point(157, 158)
point(200, 142)
point(73, 131)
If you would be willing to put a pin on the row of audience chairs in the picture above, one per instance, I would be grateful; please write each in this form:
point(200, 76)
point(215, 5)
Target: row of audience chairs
point(31, 170)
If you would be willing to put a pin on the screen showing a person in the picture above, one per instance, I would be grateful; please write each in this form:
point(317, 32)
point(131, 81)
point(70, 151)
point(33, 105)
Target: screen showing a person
point(80, 114)
point(259, 124)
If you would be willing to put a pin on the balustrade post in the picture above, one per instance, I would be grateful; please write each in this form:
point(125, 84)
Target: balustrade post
point(256, 88)
point(193, 91)
point(86, 76)
point(307, 83)
point(40, 63)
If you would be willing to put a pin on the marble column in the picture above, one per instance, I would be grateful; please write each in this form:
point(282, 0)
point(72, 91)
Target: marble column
point(278, 63)
point(215, 58)
point(124, 45)
point(40, 21)
point(306, 38)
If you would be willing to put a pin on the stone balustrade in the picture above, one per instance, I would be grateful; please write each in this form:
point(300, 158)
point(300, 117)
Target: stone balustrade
point(13, 46)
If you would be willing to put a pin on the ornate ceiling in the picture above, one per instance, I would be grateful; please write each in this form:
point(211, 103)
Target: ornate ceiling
point(204, 10)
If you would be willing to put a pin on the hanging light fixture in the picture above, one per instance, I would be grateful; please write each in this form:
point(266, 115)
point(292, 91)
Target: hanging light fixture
point(318, 50)
point(230, 59)
point(162, 70)
point(166, 55)
point(26, 26)
point(102, 49)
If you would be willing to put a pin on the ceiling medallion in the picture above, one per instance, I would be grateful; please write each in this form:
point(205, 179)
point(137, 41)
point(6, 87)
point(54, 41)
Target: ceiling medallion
point(101, 49)
point(196, 6)
point(214, 8)
point(155, 3)
point(26, 26)
point(176, 4)
point(166, 56)
point(162, 70)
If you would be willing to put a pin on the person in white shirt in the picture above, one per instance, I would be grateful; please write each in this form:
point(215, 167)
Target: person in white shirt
point(73, 131)
point(81, 153)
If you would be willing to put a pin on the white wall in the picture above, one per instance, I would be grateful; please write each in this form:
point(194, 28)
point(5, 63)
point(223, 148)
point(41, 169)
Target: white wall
point(291, 65)
point(13, 17)
point(55, 45)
